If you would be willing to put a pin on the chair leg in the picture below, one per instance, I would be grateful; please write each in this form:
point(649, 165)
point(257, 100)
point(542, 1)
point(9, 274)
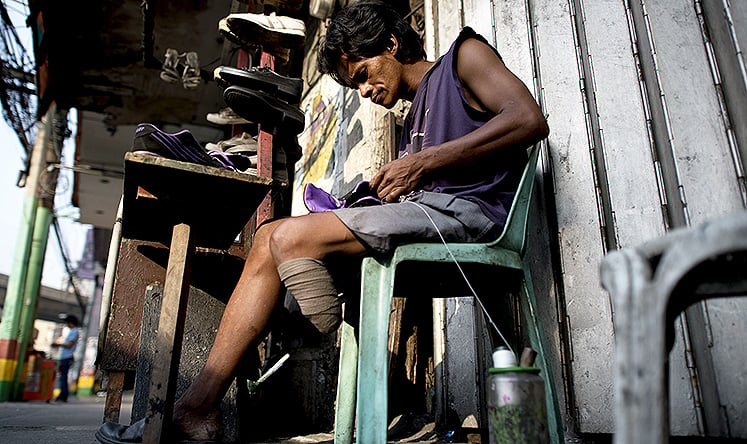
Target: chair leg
point(536, 337)
point(346, 385)
point(641, 376)
point(377, 283)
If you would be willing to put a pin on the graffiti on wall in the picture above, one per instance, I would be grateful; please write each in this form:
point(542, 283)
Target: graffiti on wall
point(327, 142)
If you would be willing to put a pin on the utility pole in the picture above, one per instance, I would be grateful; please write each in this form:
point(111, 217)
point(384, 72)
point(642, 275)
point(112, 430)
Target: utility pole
point(12, 356)
point(47, 184)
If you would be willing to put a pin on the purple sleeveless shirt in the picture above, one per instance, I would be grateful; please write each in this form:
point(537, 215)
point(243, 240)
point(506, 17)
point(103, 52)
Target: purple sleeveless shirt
point(440, 112)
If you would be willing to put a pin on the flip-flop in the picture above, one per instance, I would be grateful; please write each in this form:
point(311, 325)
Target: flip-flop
point(191, 78)
point(170, 68)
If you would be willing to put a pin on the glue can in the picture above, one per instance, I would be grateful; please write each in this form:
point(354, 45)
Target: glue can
point(516, 402)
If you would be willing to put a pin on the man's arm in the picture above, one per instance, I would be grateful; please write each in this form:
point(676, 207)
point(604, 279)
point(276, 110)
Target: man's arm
point(488, 84)
point(70, 340)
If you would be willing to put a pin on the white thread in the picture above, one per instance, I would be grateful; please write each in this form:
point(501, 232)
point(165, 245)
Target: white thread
point(474, 293)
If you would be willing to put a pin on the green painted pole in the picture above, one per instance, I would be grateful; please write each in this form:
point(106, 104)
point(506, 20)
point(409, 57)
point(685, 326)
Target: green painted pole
point(46, 184)
point(9, 328)
point(13, 301)
point(31, 294)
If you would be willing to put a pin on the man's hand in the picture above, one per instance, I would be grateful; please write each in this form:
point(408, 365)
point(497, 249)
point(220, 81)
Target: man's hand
point(399, 177)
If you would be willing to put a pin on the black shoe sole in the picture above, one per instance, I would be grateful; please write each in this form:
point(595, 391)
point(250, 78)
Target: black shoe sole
point(274, 116)
point(263, 79)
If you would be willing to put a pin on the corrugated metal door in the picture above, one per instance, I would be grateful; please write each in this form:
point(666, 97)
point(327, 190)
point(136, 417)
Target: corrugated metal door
point(645, 101)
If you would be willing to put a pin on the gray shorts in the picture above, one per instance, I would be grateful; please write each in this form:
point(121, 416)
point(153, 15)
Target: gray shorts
point(381, 228)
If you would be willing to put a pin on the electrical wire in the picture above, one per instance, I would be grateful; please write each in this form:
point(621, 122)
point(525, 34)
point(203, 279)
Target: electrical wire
point(17, 97)
point(474, 293)
point(68, 267)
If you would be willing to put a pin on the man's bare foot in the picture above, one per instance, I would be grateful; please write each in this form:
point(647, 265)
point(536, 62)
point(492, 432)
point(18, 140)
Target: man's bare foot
point(198, 426)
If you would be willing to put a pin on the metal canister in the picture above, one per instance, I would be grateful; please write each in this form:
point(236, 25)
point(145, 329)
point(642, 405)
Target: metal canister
point(517, 413)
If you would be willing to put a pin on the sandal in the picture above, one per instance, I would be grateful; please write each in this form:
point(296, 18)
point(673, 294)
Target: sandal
point(170, 71)
point(191, 78)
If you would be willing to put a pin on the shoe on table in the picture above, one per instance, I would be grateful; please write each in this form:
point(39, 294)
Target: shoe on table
point(246, 150)
point(248, 164)
point(181, 145)
point(243, 143)
point(235, 161)
point(280, 53)
point(272, 30)
point(226, 116)
point(274, 116)
point(263, 78)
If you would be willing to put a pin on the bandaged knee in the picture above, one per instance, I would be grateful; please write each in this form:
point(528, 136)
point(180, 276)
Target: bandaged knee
point(310, 283)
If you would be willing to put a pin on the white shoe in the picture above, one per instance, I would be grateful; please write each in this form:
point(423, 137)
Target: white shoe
point(281, 53)
point(226, 116)
point(242, 143)
point(268, 30)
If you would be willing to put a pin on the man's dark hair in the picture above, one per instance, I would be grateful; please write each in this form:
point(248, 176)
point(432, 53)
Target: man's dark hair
point(364, 30)
point(72, 319)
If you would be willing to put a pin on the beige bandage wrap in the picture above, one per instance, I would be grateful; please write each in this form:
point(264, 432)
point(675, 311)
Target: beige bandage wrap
point(311, 284)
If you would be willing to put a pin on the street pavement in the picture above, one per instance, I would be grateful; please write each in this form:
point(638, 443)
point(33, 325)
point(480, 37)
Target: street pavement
point(76, 422)
point(39, 422)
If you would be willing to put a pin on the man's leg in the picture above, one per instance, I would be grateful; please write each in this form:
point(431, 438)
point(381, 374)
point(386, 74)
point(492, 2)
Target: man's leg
point(315, 236)
point(247, 312)
point(250, 306)
point(64, 370)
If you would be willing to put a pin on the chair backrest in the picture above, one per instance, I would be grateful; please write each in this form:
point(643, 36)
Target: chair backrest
point(514, 233)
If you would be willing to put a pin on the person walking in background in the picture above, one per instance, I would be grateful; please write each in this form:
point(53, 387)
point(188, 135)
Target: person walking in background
point(67, 342)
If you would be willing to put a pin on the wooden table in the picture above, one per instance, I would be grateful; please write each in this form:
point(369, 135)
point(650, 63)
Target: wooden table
point(182, 205)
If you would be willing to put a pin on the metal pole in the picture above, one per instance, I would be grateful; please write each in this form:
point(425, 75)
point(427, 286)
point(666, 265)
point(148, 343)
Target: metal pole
point(9, 329)
point(31, 296)
point(46, 185)
point(109, 274)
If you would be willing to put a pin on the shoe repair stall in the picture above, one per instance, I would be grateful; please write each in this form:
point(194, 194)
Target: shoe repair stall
point(648, 133)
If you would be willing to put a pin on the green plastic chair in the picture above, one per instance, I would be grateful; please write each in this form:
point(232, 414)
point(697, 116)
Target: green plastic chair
point(363, 363)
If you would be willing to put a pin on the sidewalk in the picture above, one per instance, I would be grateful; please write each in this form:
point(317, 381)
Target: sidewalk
point(76, 422)
point(38, 422)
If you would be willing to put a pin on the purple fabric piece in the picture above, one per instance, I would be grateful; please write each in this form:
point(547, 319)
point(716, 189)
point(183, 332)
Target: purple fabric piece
point(317, 200)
